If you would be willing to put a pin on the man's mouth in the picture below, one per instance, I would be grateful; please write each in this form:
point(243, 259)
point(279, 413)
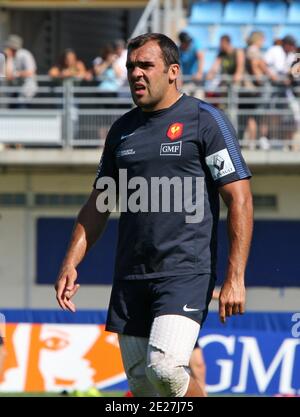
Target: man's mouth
point(139, 89)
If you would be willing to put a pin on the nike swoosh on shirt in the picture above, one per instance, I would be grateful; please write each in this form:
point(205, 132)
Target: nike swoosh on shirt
point(127, 136)
point(185, 308)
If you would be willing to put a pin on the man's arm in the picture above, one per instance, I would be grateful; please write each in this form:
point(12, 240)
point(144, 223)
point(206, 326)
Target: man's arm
point(200, 59)
point(238, 199)
point(88, 227)
point(214, 69)
point(240, 66)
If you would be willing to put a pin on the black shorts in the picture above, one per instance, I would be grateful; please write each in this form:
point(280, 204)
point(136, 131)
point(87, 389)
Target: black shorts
point(1, 341)
point(135, 303)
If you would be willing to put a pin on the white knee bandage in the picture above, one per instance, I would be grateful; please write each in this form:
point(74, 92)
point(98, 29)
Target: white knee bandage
point(171, 343)
point(170, 377)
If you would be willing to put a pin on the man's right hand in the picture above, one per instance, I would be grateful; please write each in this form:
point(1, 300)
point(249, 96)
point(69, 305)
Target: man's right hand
point(66, 288)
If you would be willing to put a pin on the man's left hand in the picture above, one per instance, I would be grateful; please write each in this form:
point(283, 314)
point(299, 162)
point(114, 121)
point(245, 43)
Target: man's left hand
point(232, 299)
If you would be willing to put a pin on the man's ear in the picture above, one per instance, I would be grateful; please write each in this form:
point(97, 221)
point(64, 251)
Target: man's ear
point(174, 70)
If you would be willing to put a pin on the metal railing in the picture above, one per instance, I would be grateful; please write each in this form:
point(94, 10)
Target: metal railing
point(71, 113)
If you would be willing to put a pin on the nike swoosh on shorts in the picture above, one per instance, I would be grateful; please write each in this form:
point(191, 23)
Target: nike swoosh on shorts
point(187, 309)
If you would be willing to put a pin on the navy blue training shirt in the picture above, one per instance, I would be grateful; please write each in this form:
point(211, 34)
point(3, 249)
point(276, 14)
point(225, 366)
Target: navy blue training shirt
point(189, 139)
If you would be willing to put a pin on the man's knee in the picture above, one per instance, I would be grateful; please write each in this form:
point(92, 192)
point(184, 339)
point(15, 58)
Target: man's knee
point(138, 381)
point(170, 378)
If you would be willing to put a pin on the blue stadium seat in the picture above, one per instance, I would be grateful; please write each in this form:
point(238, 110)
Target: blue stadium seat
point(268, 32)
point(240, 12)
point(201, 33)
point(290, 30)
point(235, 33)
point(210, 56)
point(206, 12)
point(271, 12)
point(294, 12)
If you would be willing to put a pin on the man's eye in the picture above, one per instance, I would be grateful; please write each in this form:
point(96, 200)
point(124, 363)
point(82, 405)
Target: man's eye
point(146, 65)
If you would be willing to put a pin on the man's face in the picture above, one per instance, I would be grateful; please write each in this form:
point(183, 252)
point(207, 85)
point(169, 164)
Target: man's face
point(9, 52)
point(288, 48)
point(224, 45)
point(148, 76)
point(184, 46)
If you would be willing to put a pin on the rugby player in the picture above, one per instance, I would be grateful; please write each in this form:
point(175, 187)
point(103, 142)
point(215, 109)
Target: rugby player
point(165, 267)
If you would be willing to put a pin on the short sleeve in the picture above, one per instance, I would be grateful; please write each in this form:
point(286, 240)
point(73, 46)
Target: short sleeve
point(97, 61)
point(220, 146)
point(107, 167)
point(25, 61)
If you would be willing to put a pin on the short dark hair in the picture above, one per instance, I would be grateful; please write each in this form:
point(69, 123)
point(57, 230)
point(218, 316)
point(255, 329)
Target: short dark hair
point(226, 38)
point(289, 40)
point(184, 37)
point(170, 53)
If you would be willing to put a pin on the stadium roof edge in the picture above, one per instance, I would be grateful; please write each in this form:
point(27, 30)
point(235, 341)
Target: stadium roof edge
point(72, 4)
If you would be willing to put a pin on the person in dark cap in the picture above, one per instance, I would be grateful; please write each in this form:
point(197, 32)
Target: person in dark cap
point(191, 57)
point(20, 68)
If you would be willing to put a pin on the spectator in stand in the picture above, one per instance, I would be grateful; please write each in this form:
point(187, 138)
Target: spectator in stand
point(69, 66)
point(20, 69)
point(108, 70)
point(279, 59)
point(121, 52)
point(257, 68)
point(229, 62)
point(255, 63)
point(191, 57)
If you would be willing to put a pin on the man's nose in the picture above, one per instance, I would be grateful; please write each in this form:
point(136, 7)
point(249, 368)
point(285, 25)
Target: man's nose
point(136, 72)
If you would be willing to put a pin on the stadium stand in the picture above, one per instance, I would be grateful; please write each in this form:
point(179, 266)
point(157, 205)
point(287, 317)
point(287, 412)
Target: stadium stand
point(89, 107)
point(293, 13)
point(274, 18)
point(271, 12)
point(206, 12)
point(235, 32)
point(239, 12)
point(46, 179)
point(290, 30)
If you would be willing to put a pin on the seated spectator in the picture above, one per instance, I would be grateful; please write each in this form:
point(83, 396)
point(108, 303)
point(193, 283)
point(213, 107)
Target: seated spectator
point(279, 59)
point(108, 71)
point(69, 66)
point(256, 128)
point(20, 69)
point(191, 57)
point(255, 63)
point(121, 52)
point(229, 62)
